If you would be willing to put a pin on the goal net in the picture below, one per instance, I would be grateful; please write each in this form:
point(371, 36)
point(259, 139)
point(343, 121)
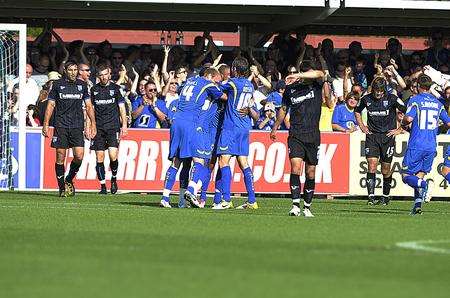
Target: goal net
point(11, 67)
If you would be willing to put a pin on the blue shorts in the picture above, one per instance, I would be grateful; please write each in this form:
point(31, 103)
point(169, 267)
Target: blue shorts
point(181, 134)
point(416, 161)
point(202, 144)
point(234, 142)
point(447, 157)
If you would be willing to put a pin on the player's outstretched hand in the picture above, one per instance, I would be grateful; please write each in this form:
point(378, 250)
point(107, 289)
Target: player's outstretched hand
point(45, 131)
point(273, 134)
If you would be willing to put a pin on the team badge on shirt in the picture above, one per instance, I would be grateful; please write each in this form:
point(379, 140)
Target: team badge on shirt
point(385, 103)
point(111, 92)
point(80, 88)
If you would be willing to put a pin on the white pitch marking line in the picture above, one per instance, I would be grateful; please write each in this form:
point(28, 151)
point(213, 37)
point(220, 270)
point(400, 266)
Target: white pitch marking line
point(423, 245)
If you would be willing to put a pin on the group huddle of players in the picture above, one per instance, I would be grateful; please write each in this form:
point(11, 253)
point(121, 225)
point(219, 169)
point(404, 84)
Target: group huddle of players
point(212, 122)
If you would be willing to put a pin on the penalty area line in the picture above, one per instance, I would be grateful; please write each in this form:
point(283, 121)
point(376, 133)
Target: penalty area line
point(425, 245)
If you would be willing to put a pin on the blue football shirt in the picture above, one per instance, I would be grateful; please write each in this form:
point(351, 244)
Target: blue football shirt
point(344, 117)
point(240, 95)
point(196, 97)
point(426, 110)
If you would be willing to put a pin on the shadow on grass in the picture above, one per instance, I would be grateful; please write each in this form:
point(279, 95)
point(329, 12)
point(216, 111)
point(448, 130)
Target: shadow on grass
point(141, 204)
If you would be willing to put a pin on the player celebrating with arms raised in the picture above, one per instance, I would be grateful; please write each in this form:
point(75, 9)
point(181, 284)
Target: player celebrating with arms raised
point(303, 96)
point(110, 111)
point(424, 111)
point(66, 98)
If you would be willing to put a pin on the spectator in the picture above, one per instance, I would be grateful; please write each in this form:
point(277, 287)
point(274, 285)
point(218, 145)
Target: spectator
point(355, 51)
point(358, 73)
point(42, 101)
point(267, 118)
point(338, 82)
point(116, 63)
point(13, 105)
point(84, 74)
point(437, 55)
point(169, 92)
point(33, 116)
point(344, 117)
point(277, 95)
point(148, 110)
point(41, 69)
point(30, 92)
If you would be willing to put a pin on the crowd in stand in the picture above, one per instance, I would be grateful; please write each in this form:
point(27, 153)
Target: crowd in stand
point(349, 72)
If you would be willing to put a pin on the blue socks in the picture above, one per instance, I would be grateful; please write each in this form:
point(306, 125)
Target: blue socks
point(248, 179)
point(171, 175)
point(218, 187)
point(226, 183)
point(414, 181)
point(205, 183)
point(447, 177)
point(417, 198)
point(197, 175)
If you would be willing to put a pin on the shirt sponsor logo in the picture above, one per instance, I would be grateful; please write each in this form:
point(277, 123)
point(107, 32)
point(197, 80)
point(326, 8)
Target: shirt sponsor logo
point(379, 113)
point(300, 99)
point(70, 96)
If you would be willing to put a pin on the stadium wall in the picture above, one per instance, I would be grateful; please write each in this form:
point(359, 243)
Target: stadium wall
point(143, 162)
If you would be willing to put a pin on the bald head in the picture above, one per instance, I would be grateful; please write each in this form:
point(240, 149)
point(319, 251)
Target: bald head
point(29, 71)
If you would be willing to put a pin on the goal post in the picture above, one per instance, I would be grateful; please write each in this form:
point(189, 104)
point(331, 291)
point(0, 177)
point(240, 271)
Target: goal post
point(13, 46)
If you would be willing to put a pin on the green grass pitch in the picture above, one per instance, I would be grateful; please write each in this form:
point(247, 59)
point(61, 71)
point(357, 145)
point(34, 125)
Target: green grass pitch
point(124, 246)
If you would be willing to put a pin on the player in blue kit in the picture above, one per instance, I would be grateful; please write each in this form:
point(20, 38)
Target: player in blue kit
point(215, 129)
point(444, 170)
point(234, 138)
point(204, 136)
point(185, 135)
point(424, 112)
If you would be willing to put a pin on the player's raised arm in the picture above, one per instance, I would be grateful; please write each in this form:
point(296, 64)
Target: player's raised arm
point(308, 75)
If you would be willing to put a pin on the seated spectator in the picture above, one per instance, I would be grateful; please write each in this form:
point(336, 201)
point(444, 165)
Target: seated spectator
point(267, 118)
point(148, 110)
point(344, 117)
point(277, 95)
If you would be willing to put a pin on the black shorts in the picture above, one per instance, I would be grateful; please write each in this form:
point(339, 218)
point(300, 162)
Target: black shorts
point(306, 151)
point(105, 138)
point(380, 146)
point(64, 138)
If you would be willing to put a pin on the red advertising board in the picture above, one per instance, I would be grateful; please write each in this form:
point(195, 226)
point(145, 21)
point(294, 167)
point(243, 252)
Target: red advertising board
point(143, 163)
